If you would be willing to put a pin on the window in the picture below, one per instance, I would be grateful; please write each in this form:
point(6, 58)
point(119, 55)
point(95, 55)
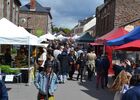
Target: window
point(137, 1)
point(5, 8)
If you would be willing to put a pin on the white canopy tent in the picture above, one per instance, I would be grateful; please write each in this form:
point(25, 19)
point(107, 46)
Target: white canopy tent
point(11, 34)
point(33, 40)
point(48, 36)
point(61, 37)
point(75, 37)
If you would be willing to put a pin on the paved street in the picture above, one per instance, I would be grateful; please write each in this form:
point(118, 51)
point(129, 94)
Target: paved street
point(71, 90)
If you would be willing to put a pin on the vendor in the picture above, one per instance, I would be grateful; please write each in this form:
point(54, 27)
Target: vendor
point(21, 58)
point(7, 57)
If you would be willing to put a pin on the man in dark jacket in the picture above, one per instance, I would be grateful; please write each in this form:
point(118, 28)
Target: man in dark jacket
point(64, 66)
point(3, 91)
point(134, 93)
point(81, 62)
point(100, 71)
point(105, 64)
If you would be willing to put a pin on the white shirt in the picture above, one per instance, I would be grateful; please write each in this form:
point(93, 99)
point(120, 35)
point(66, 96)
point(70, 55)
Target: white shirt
point(56, 53)
point(44, 57)
point(79, 52)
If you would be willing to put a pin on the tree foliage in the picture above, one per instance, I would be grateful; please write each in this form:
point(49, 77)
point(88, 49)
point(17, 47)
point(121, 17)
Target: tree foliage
point(39, 32)
point(65, 30)
point(55, 30)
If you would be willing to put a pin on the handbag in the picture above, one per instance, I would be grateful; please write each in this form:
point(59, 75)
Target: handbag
point(51, 98)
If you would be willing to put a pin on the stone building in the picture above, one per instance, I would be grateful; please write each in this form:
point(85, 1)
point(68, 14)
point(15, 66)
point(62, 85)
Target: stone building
point(10, 10)
point(35, 18)
point(116, 13)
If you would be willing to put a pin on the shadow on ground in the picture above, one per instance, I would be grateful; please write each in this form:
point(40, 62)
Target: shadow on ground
point(8, 89)
point(99, 94)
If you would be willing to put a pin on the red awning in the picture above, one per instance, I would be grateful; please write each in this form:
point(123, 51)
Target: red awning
point(131, 46)
point(115, 33)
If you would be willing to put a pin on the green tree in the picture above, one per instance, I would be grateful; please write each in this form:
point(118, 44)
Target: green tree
point(66, 30)
point(39, 32)
point(55, 30)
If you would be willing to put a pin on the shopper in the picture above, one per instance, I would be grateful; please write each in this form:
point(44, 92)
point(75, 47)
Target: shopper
point(81, 62)
point(64, 66)
point(46, 83)
point(91, 57)
point(105, 65)
point(100, 71)
point(121, 84)
point(72, 63)
point(3, 91)
point(134, 93)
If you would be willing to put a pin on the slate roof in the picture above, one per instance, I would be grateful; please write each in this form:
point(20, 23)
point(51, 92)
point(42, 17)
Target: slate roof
point(85, 21)
point(39, 8)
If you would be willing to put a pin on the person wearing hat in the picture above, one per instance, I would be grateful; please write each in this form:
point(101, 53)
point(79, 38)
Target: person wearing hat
point(46, 82)
point(40, 61)
point(134, 93)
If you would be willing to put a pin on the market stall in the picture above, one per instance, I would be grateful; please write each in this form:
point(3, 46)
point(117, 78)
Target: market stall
point(101, 42)
point(46, 37)
point(86, 38)
point(61, 37)
point(10, 34)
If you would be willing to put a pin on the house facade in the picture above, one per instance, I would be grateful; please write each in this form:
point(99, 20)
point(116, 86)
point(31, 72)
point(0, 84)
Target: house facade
point(85, 25)
point(35, 18)
point(116, 13)
point(10, 10)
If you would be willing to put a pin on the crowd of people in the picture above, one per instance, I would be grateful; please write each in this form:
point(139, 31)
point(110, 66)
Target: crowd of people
point(127, 80)
point(59, 61)
point(63, 60)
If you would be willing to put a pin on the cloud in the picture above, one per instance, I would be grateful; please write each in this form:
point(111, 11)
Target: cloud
point(23, 2)
point(66, 13)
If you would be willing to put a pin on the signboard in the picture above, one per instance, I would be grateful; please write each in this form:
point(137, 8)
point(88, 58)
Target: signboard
point(129, 28)
point(9, 78)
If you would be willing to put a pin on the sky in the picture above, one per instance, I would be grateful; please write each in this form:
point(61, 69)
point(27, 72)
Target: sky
point(66, 13)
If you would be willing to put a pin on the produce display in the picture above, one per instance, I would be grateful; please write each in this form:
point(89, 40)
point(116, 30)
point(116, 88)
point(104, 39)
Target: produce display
point(6, 69)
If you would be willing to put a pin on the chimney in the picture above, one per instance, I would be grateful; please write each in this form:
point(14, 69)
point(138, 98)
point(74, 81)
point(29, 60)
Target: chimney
point(32, 5)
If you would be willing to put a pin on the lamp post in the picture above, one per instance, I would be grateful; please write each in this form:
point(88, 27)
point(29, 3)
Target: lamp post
point(27, 19)
point(24, 22)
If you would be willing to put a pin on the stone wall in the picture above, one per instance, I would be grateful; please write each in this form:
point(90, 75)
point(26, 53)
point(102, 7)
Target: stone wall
point(33, 21)
point(116, 13)
point(126, 11)
point(105, 17)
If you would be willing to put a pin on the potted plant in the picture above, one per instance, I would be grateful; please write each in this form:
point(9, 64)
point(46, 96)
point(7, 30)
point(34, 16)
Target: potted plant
point(5, 69)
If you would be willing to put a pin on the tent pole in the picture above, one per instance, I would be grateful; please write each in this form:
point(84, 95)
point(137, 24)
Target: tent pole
point(103, 49)
point(28, 83)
